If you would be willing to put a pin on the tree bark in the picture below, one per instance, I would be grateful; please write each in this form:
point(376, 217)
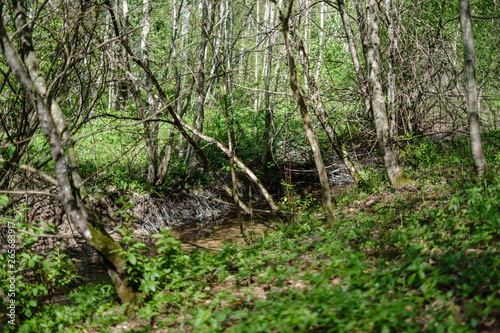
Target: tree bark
point(319, 110)
point(151, 129)
point(267, 94)
point(71, 192)
point(326, 199)
point(388, 150)
point(321, 38)
point(471, 89)
point(354, 53)
point(181, 108)
point(391, 75)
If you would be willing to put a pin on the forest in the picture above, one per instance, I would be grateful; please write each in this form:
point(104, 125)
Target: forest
point(250, 166)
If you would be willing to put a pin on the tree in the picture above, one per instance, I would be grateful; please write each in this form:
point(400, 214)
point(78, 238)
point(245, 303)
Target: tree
point(326, 199)
point(72, 193)
point(388, 150)
point(471, 88)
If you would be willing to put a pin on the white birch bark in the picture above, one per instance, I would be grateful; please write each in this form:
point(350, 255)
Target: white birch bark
point(388, 151)
point(471, 89)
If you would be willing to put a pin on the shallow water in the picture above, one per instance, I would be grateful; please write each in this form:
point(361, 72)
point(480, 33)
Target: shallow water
point(228, 230)
point(214, 235)
point(211, 236)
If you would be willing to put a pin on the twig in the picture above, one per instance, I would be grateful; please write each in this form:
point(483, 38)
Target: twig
point(28, 192)
point(32, 170)
point(47, 236)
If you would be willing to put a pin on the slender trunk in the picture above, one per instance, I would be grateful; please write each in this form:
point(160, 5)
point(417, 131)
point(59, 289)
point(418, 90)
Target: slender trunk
point(229, 132)
point(388, 150)
point(321, 38)
point(391, 75)
point(112, 98)
point(72, 194)
point(471, 89)
point(172, 62)
point(267, 110)
point(256, 69)
point(124, 92)
point(206, 27)
point(267, 94)
point(294, 85)
point(354, 52)
point(165, 162)
point(150, 128)
point(319, 110)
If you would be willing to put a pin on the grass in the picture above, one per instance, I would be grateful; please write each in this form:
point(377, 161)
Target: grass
point(422, 258)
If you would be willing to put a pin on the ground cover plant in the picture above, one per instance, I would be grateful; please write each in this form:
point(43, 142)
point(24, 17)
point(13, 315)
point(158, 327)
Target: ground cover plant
point(420, 258)
point(122, 119)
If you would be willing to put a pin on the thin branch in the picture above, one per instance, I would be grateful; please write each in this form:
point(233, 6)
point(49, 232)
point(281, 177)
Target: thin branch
point(47, 236)
point(32, 170)
point(28, 192)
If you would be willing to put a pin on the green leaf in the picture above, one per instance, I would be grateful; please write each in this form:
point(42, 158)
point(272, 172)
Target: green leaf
point(132, 258)
point(4, 200)
point(411, 278)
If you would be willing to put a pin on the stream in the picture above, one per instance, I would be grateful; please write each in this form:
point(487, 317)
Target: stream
point(211, 236)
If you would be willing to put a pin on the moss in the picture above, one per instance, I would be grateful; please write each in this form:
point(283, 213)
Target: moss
point(113, 253)
point(401, 179)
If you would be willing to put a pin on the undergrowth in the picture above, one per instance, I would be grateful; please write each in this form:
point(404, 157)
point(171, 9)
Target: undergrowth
point(421, 258)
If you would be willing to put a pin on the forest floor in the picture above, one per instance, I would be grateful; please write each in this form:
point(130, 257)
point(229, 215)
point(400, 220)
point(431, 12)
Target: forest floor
point(420, 258)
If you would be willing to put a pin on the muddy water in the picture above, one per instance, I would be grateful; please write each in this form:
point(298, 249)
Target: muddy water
point(214, 236)
point(228, 230)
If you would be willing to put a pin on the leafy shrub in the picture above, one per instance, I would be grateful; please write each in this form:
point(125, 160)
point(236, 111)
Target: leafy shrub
point(38, 275)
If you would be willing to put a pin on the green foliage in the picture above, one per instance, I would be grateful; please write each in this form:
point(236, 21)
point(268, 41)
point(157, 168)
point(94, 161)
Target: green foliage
point(38, 275)
point(291, 202)
point(410, 260)
point(416, 261)
point(152, 274)
point(4, 201)
point(422, 153)
point(86, 304)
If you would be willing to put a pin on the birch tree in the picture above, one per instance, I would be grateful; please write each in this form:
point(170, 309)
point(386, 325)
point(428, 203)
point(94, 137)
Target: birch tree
point(388, 150)
point(471, 88)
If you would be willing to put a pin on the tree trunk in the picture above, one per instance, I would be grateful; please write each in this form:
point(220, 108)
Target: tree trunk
point(123, 87)
point(361, 21)
point(388, 150)
point(354, 53)
point(321, 38)
point(267, 94)
point(326, 199)
point(391, 75)
point(72, 194)
point(471, 88)
point(152, 128)
point(181, 108)
point(319, 110)
point(206, 28)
